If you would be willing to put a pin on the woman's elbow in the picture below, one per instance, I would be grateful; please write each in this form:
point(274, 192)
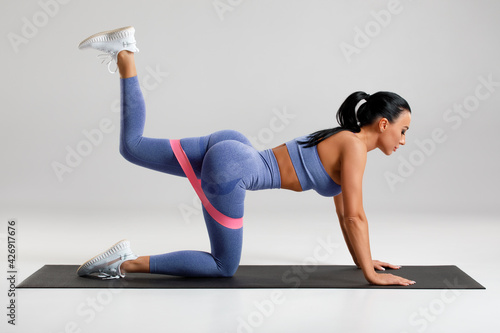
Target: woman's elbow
point(353, 219)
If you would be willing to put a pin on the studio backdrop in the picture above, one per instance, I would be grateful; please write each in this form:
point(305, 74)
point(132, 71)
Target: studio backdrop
point(271, 69)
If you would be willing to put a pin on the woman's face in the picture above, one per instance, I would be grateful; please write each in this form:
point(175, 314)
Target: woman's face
point(393, 134)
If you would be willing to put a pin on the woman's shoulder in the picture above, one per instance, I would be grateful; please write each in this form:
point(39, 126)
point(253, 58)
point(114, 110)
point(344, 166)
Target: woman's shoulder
point(344, 140)
point(344, 144)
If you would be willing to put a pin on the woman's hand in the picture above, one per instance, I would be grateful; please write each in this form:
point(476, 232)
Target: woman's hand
point(388, 279)
point(380, 265)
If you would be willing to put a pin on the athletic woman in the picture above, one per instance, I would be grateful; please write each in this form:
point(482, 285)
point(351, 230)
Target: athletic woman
point(223, 165)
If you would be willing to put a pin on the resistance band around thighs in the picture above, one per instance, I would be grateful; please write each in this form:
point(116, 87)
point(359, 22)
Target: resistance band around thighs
point(222, 219)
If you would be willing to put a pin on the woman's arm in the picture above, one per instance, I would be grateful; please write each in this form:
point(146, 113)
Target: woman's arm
point(354, 224)
point(339, 205)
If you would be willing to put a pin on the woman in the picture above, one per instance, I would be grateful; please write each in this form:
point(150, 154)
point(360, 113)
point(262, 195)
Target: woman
point(223, 165)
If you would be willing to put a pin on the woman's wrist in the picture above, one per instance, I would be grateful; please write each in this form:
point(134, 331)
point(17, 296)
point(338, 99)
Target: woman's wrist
point(369, 273)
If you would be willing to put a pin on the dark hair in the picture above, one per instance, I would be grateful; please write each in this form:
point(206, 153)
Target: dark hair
point(382, 104)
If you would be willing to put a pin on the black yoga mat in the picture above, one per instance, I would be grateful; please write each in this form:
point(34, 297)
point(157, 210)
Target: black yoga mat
point(320, 277)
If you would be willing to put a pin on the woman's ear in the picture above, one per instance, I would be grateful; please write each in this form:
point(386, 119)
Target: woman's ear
point(382, 124)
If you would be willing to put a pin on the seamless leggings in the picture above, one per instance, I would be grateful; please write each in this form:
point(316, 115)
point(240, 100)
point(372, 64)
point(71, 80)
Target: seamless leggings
point(227, 165)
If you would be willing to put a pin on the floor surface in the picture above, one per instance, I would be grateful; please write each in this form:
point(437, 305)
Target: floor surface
point(470, 242)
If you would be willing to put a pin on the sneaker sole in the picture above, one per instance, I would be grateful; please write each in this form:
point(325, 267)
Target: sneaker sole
point(107, 36)
point(104, 254)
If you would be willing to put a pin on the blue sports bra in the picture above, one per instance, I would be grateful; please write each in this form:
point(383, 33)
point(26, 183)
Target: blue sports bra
point(310, 170)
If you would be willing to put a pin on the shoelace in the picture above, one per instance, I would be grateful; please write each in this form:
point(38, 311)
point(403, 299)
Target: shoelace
point(115, 275)
point(106, 276)
point(109, 57)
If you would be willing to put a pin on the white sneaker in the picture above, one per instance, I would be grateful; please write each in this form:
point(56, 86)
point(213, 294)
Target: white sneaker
point(107, 264)
point(111, 42)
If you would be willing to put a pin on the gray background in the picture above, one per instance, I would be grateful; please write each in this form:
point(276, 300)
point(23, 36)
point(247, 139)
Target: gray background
point(236, 69)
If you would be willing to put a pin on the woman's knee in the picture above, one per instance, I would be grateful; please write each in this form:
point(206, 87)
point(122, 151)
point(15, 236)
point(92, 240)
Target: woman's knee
point(130, 148)
point(228, 268)
point(125, 150)
point(228, 272)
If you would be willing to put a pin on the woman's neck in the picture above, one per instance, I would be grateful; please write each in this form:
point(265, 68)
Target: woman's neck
point(369, 136)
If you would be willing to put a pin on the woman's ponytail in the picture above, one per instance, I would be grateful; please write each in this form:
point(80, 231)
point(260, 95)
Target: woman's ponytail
point(360, 109)
point(347, 117)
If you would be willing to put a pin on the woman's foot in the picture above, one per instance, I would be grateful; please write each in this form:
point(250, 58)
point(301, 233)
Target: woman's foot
point(112, 43)
point(107, 264)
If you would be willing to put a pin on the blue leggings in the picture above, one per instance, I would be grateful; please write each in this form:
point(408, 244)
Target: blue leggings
point(227, 165)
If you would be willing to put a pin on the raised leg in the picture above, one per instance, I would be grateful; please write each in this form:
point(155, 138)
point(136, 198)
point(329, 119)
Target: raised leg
point(150, 153)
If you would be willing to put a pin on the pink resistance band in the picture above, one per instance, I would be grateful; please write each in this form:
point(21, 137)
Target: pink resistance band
point(222, 219)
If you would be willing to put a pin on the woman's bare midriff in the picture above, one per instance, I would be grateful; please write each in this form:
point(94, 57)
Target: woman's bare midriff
point(289, 179)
